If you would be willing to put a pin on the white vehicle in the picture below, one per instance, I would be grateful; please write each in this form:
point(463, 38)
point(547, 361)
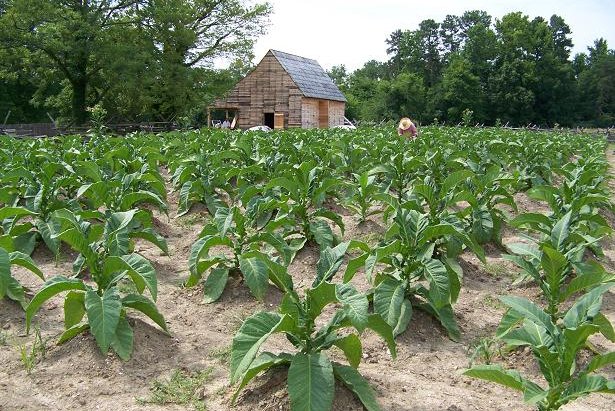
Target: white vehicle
point(345, 127)
point(259, 128)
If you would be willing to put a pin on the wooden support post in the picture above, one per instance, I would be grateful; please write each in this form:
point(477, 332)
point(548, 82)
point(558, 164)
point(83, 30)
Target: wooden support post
point(208, 117)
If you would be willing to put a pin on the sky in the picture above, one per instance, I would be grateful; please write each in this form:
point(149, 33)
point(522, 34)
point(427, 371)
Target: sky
point(352, 32)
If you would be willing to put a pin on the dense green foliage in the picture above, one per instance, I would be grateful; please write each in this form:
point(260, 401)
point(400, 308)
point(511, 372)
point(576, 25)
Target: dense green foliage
point(142, 60)
point(515, 69)
point(438, 199)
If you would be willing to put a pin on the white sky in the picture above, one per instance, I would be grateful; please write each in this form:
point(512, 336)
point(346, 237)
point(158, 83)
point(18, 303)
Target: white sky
point(352, 32)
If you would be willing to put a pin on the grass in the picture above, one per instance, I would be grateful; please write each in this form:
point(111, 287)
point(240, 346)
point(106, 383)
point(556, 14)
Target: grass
point(4, 338)
point(182, 388)
point(38, 351)
point(222, 355)
point(497, 270)
point(485, 349)
point(493, 302)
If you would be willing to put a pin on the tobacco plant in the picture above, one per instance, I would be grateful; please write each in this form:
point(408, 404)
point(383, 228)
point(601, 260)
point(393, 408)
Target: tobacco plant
point(311, 373)
point(555, 346)
point(98, 305)
point(249, 243)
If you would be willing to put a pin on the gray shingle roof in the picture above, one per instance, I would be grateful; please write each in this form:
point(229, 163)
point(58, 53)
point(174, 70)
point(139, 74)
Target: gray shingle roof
point(307, 74)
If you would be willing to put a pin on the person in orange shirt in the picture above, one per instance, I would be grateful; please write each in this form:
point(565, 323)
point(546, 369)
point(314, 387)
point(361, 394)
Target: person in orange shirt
point(406, 127)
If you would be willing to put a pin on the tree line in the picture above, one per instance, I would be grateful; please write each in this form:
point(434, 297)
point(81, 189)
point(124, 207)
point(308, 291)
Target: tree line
point(472, 68)
point(139, 60)
point(152, 60)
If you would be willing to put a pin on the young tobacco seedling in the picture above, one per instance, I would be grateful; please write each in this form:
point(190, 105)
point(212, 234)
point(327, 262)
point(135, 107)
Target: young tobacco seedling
point(104, 251)
point(555, 347)
point(247, 236)
point(311, 374)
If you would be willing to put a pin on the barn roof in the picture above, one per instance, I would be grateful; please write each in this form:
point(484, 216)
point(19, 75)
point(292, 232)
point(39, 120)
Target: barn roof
point(307, 74)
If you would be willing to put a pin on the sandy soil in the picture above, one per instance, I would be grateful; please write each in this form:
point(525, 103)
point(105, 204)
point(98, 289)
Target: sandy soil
point(425, 376)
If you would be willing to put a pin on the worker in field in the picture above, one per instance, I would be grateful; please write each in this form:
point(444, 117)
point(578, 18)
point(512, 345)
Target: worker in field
point(407, 128)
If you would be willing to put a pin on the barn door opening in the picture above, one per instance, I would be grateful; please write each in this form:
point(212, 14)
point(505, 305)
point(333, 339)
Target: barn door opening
point(279, 121)
point(269, 122)
point(323, 113)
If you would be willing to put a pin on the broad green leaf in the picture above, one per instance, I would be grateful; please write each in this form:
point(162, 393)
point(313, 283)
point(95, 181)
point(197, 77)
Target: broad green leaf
point(380, 327)
point(139, 269)
point(122, 344)
point(256, 274)
point(585, 281)
point(147, 307)
point(330, 261)
point(52, 287)
point(5, 272)
point(559, 234)
point(131, 200)
point(582, 386)
point(586, 307)
point(311, 382)
point(322, 233)
point(153, 237)
point(278, 275)
point(254, 331)
point(357, 384)
point(495, 373)
point(320, 297)
point(103, 316)
point(537, 221)
point(439, 284)
point(263, 362)
point(201, 247)
point(391, 304)
point(530, 311)
point(48, 230)
point(600, 361)
point(352, 348)
point(355, 305)
point(74, 308)
point(7, 212)
point(214, 284)
point(447, 318)
point(24, 260)
point(606, 328)
point(72, 332)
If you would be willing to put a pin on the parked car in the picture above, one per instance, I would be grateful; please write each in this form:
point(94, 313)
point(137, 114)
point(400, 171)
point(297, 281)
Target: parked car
point(259, 128)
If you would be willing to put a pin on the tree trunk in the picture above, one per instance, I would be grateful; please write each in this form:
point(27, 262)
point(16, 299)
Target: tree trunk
point(80, 114)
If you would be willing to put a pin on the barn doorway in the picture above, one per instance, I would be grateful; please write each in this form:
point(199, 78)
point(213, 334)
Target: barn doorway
point(269, 120)
point(323, 113)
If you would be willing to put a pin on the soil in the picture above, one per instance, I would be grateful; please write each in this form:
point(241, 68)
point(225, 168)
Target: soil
point(425, 376)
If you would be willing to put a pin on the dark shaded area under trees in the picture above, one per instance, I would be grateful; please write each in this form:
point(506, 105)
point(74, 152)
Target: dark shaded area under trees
point(514, 70)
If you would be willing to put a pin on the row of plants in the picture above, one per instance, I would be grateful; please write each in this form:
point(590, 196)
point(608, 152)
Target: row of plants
point(270, 195)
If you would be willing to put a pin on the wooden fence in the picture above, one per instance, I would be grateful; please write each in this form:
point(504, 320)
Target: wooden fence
point(50, 130)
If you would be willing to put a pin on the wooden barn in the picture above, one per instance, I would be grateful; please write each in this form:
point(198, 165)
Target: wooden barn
point(284, 91)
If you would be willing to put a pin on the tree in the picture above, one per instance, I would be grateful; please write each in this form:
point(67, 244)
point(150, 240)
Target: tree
point(108, 50)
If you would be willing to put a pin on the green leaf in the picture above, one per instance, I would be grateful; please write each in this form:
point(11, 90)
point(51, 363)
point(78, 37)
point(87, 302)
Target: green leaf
point(72, 332)
point(24, 260)
point(380, 327)
point(214, 284)
point(153, 237)
point(559, 234)
point(495, 373)
point(530, 311)
point(278, 275)
point(131, 199)
point(606, 328)
point(74, 308)
point(311, 382)
point(586, 307)
point(447, 318)
point(534, 220)
point(352, 348)
point(320, 297)
point(48, 230)
point(254, 331)
point(355, 305)
point(52, 287)
point(256, 274)
point(103, 316)
point(582, 386)
point(600, 361)
point(122, 344)
point(264, 361)
point(146, 306)
point(357, 384)
point(391, 304)
point(439, 284)
point(5, 272)
point(6, 212)
point(139, 269)
point(201, 247)
point(585, 281)
point(330, 261)
point(322, 233)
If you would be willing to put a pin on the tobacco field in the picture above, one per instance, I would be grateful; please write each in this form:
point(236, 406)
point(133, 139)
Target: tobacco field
point(468, 269)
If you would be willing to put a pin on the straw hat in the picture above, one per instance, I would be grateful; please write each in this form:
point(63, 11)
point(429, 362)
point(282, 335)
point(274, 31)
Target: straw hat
point(405, 123)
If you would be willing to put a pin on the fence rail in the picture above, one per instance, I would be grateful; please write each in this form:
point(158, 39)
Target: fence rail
point(50, 129)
